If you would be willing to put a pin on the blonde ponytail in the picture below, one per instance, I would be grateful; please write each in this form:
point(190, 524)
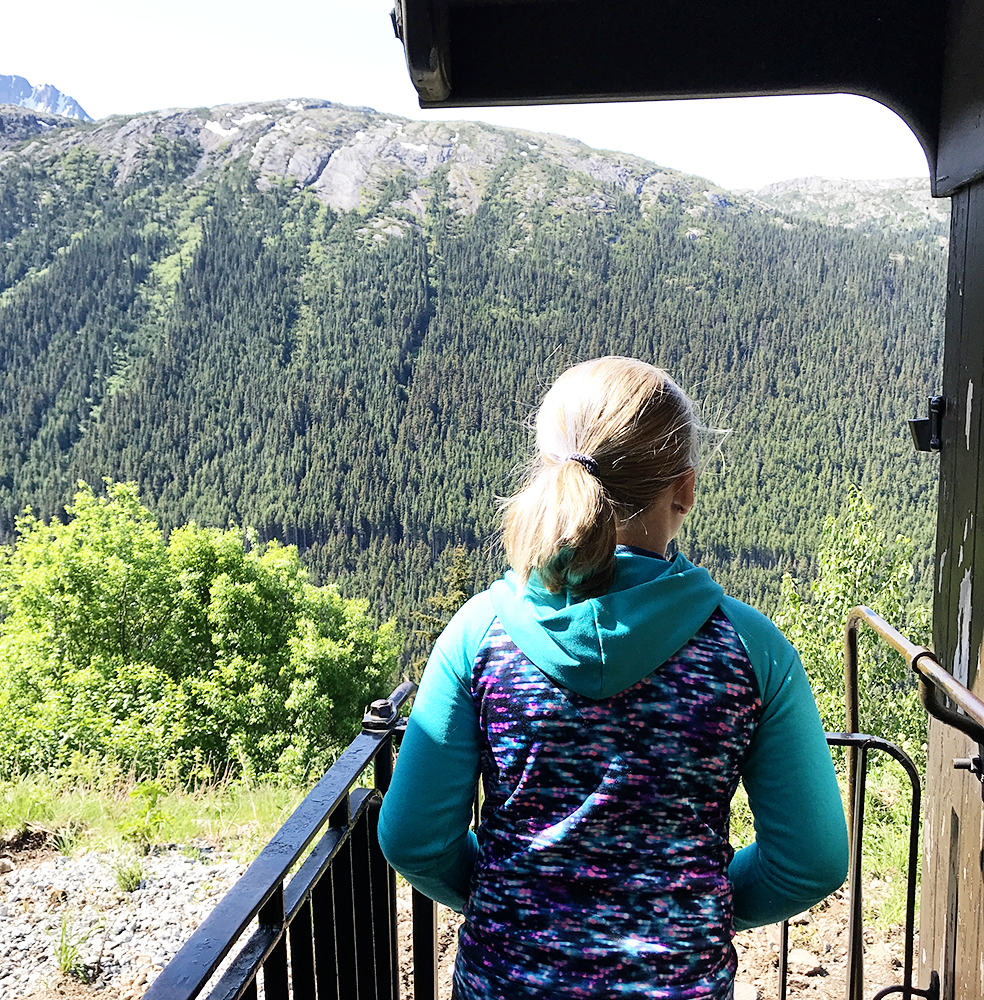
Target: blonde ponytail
point(611, 435)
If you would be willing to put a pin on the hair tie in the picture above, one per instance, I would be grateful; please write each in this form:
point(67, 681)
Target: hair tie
point(589, 463)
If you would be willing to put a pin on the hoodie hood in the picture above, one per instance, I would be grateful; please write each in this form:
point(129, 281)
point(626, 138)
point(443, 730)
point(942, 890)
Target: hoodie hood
point(599, 646)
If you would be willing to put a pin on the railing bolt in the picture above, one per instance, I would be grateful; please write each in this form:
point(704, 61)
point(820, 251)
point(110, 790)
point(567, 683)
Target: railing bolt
point(972, 764)
point(379, 715)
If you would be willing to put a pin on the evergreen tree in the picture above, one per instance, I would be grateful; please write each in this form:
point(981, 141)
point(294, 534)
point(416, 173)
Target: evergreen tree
point(459, 584)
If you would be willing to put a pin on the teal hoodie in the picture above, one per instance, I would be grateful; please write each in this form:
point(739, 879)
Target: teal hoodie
point(603, 645)
point(598, 647)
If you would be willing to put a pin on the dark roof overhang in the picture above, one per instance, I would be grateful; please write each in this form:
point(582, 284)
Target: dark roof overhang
point(924, 59)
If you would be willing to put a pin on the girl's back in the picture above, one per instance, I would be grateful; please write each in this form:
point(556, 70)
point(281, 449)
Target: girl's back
point(603, 851)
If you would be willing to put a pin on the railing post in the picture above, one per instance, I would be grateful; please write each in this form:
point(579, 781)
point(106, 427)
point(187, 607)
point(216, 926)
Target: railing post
point(424, 947)
point(271, 916)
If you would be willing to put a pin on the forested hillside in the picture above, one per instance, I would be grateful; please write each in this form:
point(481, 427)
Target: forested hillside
point(330, 326)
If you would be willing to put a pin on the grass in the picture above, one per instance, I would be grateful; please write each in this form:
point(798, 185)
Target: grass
point(128, 872)
point(78, 814)
point(68, 950)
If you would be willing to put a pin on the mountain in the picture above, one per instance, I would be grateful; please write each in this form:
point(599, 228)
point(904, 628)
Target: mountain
point(46, 98)
point(902, 208)
point(331, 325)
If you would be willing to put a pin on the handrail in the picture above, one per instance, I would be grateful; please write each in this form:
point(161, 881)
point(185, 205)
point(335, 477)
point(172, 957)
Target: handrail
point(935, 683)
point(858, 745)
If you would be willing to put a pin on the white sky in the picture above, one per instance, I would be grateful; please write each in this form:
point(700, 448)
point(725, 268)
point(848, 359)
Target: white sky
point(117, 57)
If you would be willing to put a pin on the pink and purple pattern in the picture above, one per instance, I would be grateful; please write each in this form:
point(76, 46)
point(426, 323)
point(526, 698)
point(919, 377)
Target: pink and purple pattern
point(603, 847)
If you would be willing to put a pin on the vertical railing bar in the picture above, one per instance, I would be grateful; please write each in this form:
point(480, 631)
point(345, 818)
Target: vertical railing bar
point(382, 886)
point(910, 892)
point(783, 958)
point(424, 946)
point(323, 920)
point(855, 955)
point(393, 930)
point(910, 901)
point(325, 947)
point(302, 960)
point(362, 911)
point(852, 714)
point(344, 914)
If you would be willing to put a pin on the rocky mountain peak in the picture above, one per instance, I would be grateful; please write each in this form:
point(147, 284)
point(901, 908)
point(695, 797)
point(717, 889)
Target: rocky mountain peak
point(351, 157)
point(901, 204)
point(44, 98)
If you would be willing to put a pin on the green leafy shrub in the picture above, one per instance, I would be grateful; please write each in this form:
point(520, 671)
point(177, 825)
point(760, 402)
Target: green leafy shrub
point(858, 565)
point(144, 824)
point(208, 653)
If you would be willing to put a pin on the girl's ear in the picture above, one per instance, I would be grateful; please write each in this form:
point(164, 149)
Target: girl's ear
point(683, 491)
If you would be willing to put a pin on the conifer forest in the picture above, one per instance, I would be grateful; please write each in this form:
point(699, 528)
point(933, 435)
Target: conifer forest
point(353, 375)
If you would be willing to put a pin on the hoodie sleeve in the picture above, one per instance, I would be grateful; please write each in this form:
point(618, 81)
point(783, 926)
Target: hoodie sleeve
point(800, 852)
point(424, 824)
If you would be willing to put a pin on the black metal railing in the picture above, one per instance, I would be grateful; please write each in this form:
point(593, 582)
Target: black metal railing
point(946, 699)
point(331, 930)
point(859, 745)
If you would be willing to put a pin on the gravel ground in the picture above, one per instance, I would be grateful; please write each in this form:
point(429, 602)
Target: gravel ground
point(71, 911)
point(53, 906)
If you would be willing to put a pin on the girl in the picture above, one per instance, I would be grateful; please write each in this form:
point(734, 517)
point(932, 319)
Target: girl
point(610, 700)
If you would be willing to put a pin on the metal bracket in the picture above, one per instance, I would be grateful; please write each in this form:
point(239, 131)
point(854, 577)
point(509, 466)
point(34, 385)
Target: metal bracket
point(422, 26)
point(932, 992)
point(927, 432)
point(973, 764)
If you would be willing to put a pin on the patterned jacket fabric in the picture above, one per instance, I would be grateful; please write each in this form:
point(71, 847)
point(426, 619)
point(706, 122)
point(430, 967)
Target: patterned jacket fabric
point(602, 866)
